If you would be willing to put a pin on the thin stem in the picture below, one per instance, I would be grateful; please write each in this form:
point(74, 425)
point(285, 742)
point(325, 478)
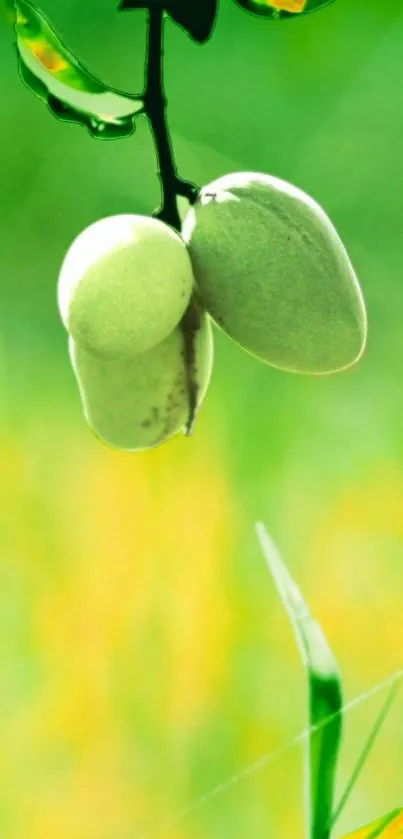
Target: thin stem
point(365, 752)
point(155, 109)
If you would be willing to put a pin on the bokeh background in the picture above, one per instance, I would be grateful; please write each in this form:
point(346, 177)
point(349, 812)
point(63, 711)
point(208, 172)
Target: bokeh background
point(144, 657)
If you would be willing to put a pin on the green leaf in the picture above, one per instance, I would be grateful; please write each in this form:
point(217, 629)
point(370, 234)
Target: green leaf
point(66, 87)
point(325, 696)
point(387, 827)
point(196, 17)
point(278, 9)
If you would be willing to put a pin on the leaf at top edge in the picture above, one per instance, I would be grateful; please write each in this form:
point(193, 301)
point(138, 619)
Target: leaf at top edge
point(60, 80)
point(279, 9)
point(387, 827)
point(196, 17)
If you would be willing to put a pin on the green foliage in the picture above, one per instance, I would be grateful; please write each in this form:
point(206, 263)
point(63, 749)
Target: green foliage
point(386, 827)
point(72, 94)
point(324, 731)
point(279, 9)
point(325, 695)
point(273, 273)
point(366, 751)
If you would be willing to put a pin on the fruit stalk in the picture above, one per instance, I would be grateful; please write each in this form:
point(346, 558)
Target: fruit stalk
point(155, 109)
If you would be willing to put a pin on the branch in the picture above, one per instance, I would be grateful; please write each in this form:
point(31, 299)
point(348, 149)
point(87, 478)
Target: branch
point(155, 109)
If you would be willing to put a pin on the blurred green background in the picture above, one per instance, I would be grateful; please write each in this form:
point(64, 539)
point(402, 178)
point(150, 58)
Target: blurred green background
point(144, 657)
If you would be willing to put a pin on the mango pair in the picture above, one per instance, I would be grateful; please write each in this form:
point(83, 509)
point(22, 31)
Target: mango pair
point(255, 254)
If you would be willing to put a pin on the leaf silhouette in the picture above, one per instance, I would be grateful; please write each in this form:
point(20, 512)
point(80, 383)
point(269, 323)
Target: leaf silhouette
point(196, 17)
point(72, 94)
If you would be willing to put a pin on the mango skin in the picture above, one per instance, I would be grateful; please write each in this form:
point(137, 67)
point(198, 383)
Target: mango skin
point(273, 273)
point(141, 402)
point(124, 285)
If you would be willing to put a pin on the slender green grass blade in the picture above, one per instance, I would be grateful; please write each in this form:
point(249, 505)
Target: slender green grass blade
point(387, 827)
point(366, 750)
point(325, 695)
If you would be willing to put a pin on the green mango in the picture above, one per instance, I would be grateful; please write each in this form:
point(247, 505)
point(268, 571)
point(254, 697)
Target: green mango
point(139, 403)
point(273, 273)
point(124, 285)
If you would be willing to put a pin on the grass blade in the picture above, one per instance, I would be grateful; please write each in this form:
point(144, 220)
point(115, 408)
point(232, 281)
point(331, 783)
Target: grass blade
point(366, 750)
point(325, 695)
point(387, 827)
